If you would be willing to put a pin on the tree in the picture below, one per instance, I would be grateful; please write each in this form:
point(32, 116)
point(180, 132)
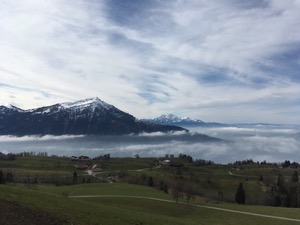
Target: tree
point(9, 177)
point(261, 178)
point(286, 164)
point(189, 192)
point(150, 182)
point(240, 196)
point(163, 187)
point(74, 177)
point(177, 190)
point(295, 177)
point(279, 181)
point(2, 180)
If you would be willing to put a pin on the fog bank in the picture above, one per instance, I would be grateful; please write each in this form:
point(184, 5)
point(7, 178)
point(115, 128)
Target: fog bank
point(270, 143)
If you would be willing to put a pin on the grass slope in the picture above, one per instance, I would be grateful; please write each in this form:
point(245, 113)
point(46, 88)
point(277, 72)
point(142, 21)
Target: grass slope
point(115, 204)
point(119, 211)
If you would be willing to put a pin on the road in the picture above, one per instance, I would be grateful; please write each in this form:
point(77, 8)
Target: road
point(92, 173)
point(199, 206)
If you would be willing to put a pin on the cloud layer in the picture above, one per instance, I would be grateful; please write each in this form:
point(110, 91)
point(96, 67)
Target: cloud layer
point(227, 61)
point(256, 143)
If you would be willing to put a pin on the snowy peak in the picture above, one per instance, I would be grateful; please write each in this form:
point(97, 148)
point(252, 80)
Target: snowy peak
point(9, 108)
point(171, 118)
point(94, 106)
point(90, 102)
point(81, 106)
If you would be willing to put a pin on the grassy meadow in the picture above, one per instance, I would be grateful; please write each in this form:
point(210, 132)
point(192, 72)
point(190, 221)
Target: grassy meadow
point(122, 192)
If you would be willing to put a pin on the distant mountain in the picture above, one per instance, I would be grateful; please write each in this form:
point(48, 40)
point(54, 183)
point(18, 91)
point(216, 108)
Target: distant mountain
point(186, 122)
point(171, 119)
point(89, 116)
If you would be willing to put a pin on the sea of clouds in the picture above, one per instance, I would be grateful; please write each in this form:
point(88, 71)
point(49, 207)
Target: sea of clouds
point(273, 143)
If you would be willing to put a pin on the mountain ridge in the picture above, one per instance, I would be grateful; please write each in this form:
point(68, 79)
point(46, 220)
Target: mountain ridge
point(186, 122)
point(88, 116)
point(171, 119)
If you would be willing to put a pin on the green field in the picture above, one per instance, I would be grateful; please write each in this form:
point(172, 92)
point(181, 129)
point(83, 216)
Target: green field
point(130, 200)
point(119, 209)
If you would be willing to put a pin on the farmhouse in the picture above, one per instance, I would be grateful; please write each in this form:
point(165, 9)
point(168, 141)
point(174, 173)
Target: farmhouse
point(166, 162)
point(84, 158)
point(74, 158)
point(96, 169)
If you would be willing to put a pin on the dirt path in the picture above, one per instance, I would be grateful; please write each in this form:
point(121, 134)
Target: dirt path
point(248, 213)
point(199, 206)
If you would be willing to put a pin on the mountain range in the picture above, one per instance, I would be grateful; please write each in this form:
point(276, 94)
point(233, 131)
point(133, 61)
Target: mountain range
point(171, 119)
point(186, 122)
point(89, 116)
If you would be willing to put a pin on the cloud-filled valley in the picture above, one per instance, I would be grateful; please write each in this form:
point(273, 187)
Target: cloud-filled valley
point(273, 144)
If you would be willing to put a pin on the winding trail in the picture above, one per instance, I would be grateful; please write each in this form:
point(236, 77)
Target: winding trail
point(199, 206)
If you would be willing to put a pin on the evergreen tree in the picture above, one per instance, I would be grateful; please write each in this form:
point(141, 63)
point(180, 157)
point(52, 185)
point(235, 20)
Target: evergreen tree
point(295, 177)
point(240, 196)
point(74, 177)
point(2, 180)
point(150, 182)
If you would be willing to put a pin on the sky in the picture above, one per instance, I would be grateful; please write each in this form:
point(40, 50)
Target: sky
point(230, 61)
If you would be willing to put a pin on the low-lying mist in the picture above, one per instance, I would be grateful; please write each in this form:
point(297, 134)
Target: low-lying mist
point(270, 143)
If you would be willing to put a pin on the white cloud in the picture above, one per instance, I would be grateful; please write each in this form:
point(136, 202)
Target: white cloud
point(273, 144)
point(161, 134)
point(5, 138)
point(56, 52)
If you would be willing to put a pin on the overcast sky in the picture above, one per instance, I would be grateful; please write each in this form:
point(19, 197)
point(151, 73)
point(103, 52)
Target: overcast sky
point(221, 60)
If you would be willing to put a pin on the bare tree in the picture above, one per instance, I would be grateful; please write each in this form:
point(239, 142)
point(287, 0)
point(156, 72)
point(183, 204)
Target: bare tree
point(177, 190)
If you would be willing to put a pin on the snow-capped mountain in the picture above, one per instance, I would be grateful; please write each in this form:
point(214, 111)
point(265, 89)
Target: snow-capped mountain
point(171, 119)
point(84, 108)
point(89, 116)
point(9, 109)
